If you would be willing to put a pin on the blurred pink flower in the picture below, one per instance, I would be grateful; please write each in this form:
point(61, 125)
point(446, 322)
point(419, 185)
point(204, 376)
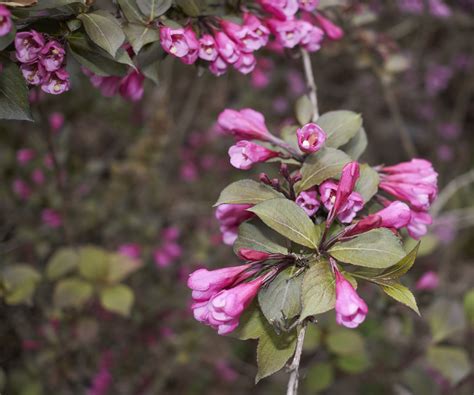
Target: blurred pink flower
point(56, 121)
point(21, 189)
point(282, 9)
point(51, 218)
point(225, 371)
point(38, 177)
point(131, 250)
point(6, 23)
point(25, 155)
point(428, 281)
point(331, 30)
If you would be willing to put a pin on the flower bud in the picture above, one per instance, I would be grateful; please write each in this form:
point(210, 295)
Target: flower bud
point(245, 153)
point(311, 138)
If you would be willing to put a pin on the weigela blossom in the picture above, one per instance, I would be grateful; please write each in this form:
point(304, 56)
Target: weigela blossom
point(38, 177)
point(308, 201)
point(131, 86)
point(418, 225)
point(130, 250)
point(245, 153)
point(428, 281)
point(261, 33)
point(331, 30)
point(208, 48)
point(230, 216)
point(246, 63)
point(56, 82)
point(24, 156)
point(222, 311)
point(287, 33)
point(52, 56)
point(311, 36)
point(28, 46)
point(6, 23)
point(228, 49)
point(282, 9)
point(414, 182)
point(206, 283)
point(352, 205)
point(177, 42)
point(351, 309)
point(21, 189)
point(311, 138)
point(218, 66)
point(246, 124)
point(51, 218)
point(308, 5)
point(33, 73)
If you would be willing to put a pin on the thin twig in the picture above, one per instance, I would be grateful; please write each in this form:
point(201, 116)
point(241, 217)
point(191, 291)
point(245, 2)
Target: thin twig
point(449, 190)
point(295, 364)
point(308, 71)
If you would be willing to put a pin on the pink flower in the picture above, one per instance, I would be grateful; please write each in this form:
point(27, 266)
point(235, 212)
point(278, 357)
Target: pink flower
point(245, 124)
point(311, 36)
point(218, 66)
point(260, 77)
point(162, 259)
point(225, 371)
point(179, 42)
point(396, 215)
point(33, 73)
point(333, 31)
point(346, 213)
point(130, 250)
point(193, 46)
point(245, 153)
point(246, 63)
point(52, 56)
point(282, 9)
point(349, 176)
point(414, 182)
point(227, 48)
point(5, 21)
point(21, 189)
point(57, 82)
point(51, 218)
point(131, 86)
point(310, 138)
point(37, 176)
point(205, 283)
point(207, 48)
point(308, 5)
point(261, 32)
point(417, 227)
point(28, 46)
point(56, 121)
point(222, 311)
point(253, 255)
point(24, 156)
point(287, 33)
point(170, 233)
point(351, 309)
point(230, 216)
point(308, 201)
point(428, 281)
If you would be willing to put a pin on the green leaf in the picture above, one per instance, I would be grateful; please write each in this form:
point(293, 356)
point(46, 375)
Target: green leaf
point(318, 292)
point(368, 183)
point(273, 351)
point(13, 93)
point(355, 363)
point(104, 30)
point(139, 35)
point(154, 8)
point(149, 60)
point(357, 145)
point(7, 39)
point(251, 324)
point(392, 273)
point(117, 298)
point(288, 219)
point(62, 262)
point(469, 306)
point(247, 192)
point(90, 57)
point(304, 110)
point(452, 362)
point(379, 248)
point(318, 167)
point(20, 282)
point(120, 267)
point(254, 235)
point(446, 318)
point(401, 294)
point(319, 377)
point(93, 263)
point(131, 11)
point(191, 7)
point(280, 300)
point(340, 126)
point(345, 342)
point(72, 292)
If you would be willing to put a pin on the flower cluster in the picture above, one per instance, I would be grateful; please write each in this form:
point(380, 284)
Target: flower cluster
point(42, 61)
point(223, 43)
point(220, 296)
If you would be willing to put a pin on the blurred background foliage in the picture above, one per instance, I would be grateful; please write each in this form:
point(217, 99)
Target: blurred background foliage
point(79, 317)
